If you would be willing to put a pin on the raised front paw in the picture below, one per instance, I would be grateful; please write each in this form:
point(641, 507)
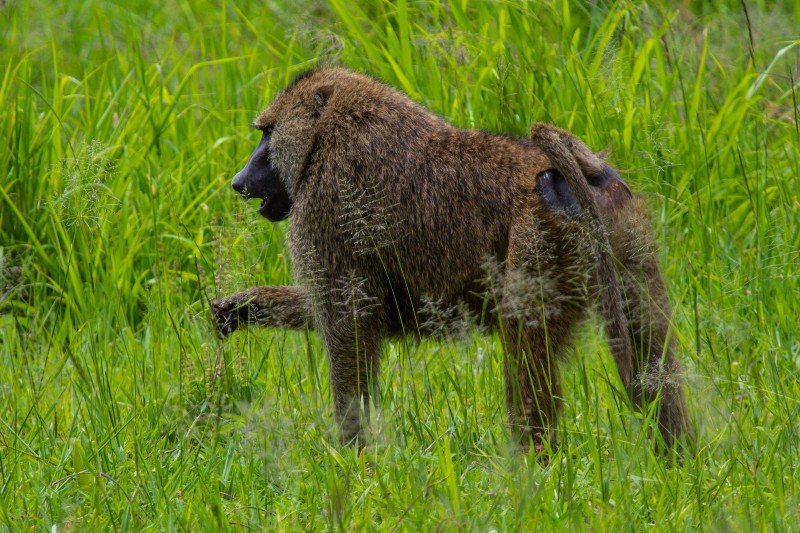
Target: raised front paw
point(226, 315)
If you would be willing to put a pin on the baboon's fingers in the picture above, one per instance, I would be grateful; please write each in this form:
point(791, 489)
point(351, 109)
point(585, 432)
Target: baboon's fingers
point(226, 316)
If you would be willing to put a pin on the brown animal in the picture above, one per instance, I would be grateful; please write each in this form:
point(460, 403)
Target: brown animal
point(397, 218)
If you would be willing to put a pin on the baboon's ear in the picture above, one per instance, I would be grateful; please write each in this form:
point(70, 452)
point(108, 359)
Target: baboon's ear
point(321, 96)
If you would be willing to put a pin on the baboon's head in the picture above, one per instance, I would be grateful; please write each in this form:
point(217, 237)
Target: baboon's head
point(289, 127)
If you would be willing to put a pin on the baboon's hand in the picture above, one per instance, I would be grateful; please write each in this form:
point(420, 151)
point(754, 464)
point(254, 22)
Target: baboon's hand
point(226, 315)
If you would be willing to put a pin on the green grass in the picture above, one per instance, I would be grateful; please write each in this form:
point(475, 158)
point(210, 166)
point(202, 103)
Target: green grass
point(121, 125)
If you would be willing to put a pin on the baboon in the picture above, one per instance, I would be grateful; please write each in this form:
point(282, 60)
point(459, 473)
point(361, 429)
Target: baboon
point(390, 208)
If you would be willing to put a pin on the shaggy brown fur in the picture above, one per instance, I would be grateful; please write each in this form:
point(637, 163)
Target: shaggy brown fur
point(393, 209)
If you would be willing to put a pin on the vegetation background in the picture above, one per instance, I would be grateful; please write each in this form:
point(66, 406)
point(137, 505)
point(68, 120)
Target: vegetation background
point(121, 124)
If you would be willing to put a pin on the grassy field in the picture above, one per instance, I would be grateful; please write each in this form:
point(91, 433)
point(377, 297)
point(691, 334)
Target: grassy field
point(121, 125)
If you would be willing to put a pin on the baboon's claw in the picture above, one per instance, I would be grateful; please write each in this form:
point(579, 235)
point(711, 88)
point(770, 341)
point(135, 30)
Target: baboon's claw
point(226, 318)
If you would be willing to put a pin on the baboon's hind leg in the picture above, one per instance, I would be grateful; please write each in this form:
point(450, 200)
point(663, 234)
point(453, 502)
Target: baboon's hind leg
point(541, 303)
point(533, 387)
point(656, 371)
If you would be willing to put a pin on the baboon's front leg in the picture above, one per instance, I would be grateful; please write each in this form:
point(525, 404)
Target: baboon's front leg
point(276, 307)
point(354, 367)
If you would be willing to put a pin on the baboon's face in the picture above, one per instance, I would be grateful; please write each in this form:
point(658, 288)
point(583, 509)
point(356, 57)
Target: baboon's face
point(290, 125)
point(260, 179)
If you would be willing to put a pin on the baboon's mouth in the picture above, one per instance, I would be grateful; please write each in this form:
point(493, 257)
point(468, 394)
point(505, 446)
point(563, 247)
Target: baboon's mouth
point(275, 207)
point(265, 207)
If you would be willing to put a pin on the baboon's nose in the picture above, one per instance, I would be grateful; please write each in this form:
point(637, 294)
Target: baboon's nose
point(238, 183)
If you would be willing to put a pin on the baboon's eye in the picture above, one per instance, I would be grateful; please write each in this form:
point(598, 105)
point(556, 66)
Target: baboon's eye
point(264, 129)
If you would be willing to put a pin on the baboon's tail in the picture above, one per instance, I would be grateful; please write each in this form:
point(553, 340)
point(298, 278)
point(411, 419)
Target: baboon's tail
point(564, 150)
